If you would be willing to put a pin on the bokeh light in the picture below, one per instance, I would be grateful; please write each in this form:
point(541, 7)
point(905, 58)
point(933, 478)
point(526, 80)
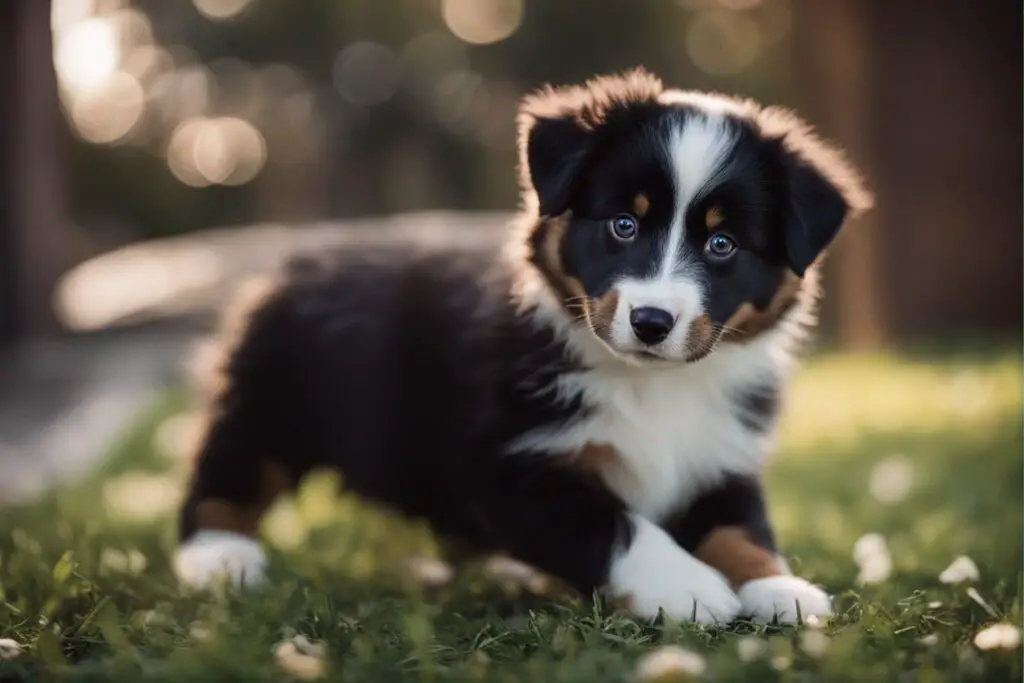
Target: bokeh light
point(367, 73)
point(87, 54)
point(481, 22)
point(221, 10)
point(216, 151)
point(722, 42)
point(109, 113)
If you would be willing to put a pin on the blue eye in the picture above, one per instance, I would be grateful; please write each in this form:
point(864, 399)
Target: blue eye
point(720, 246)
point(623, 227)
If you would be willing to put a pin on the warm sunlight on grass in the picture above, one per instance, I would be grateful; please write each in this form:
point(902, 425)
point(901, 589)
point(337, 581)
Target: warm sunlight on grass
point(897, 487)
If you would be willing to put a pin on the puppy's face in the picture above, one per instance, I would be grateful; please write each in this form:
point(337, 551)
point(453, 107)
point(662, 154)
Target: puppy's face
point(668, 221)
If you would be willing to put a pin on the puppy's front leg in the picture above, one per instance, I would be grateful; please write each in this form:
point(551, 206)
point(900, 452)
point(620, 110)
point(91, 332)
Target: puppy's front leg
point(569, 526)
point(728, 529)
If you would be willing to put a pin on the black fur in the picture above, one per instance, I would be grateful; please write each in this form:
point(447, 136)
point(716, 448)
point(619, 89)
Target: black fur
point(736, 502)
point(413, 370)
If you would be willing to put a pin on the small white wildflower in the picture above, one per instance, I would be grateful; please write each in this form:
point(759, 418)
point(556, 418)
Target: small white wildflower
point(429, 571)
point(308, 647)
point(891, 479)
point(998, 636)
point(814, 621)
point(962, 569)
point(298, 663)
point(9, 649)
point(875, 570)
point(509, 569)
point(930, 640)
point(872, 556)
point(669, 660)
point(199, 631)
point(749, 648)
point(781, 662)
point(814, 643)
point(869, 546)
point(935, 604)
point(123, 562)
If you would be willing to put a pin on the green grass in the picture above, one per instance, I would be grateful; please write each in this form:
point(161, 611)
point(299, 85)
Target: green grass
point(949, 429)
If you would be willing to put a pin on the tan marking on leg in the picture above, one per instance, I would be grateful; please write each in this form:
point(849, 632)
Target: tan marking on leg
point(218, 514)
point(747, 322)
point(641, 205)
point(731, 551)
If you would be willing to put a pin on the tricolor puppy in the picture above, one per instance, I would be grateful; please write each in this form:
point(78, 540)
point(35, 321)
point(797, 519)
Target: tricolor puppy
point(597, 399)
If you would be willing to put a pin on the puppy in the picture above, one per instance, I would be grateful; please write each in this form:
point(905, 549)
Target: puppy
point(596, 399)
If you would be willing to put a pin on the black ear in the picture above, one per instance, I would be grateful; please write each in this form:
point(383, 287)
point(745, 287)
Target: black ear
point(557, 128)
point(816, 211)
point(821, 188)
point(556, 150)
point(553, 153)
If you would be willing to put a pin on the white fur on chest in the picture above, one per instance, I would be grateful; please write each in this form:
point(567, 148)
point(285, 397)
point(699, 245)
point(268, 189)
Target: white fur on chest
point(676, 430)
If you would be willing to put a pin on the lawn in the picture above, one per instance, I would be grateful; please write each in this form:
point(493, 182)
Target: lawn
point(889, 470)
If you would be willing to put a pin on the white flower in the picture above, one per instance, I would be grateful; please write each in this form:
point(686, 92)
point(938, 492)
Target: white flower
point(935, 604)
point(669, 660)
point(872, 556)
point(875, 570)
point(813, 621)
point(891, 479)
point(1004, 636)
point(199, 631)
point(430, 571)
point(930, 640)
point(124, 562)
point(869, 546)
point(9, 649)
point(781, 662)
point(814, 643)
point(961, 569)
point(504, 568)
point(300, 657)
point(749, 648)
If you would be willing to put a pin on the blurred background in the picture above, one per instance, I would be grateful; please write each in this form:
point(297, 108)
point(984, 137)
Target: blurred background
point(154, 153)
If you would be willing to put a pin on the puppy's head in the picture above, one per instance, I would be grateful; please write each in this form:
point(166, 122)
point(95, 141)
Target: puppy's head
point(665, 221)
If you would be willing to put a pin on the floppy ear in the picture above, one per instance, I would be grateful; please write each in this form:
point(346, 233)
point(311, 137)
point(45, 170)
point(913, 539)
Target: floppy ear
point(552, 149)
point(821, 188)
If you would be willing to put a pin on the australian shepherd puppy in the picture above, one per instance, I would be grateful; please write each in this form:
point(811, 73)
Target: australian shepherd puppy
point(596, 399)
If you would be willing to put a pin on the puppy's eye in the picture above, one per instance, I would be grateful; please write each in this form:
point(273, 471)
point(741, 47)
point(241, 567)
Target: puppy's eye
point(720, 246)
point(623, 227)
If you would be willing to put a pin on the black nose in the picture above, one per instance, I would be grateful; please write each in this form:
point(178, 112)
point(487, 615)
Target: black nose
point(651, 325)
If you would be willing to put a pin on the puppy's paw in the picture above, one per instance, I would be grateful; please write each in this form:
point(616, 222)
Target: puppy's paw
point(778, 596)
point(656, 573)
point(208, 557)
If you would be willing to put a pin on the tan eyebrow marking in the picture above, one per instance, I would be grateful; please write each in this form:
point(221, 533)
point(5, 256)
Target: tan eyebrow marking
point(713, 218)
point(641, 204)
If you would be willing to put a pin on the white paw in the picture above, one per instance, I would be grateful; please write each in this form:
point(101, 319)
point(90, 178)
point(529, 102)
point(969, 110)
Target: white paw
point(656, 573)
point(208, 557)
point(777, 596)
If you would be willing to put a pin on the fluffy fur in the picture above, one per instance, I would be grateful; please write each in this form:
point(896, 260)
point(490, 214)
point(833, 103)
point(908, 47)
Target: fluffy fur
point(596, 400)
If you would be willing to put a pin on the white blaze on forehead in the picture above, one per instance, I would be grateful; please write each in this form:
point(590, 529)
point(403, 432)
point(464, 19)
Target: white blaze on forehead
point(697, 148)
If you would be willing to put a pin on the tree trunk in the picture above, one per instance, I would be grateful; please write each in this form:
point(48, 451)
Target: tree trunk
point(34, 237)
point(833, 65)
